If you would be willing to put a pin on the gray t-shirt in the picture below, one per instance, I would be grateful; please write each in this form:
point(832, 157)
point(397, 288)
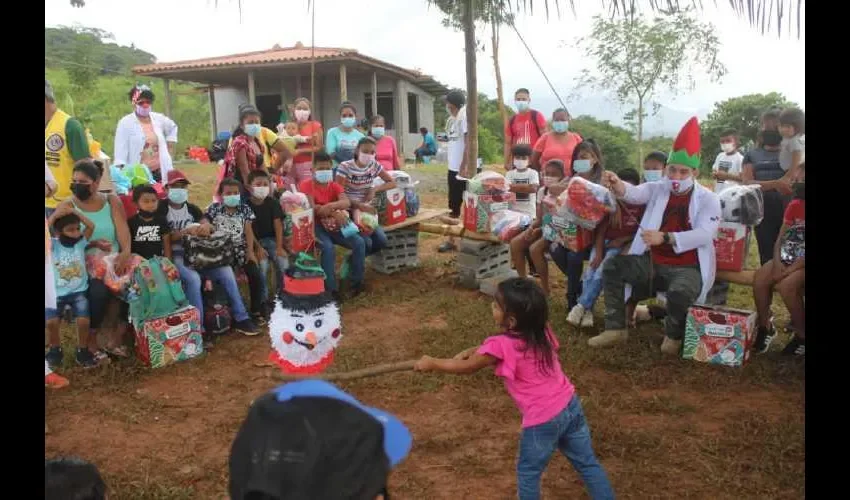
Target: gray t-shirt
point(789, 147)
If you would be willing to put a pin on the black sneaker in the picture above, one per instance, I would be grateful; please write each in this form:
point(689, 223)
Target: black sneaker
point(764, 337)
point(797, 347)
point(337, 297)
point(246, 327)
point(86, 359)
point(447, 246)
point(54, 357)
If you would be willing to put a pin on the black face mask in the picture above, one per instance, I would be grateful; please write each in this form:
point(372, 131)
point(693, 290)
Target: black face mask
point(799, 189)
point(145, 213)
point(67, 241)
point(81, 191)
point(771, 138)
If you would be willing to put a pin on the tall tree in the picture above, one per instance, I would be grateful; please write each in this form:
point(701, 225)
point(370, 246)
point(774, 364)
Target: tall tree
point(636, 58)
point(742, 114)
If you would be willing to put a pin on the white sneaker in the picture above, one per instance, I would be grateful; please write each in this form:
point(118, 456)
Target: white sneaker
point(587, 320)
point(642, 314)
point(576, 316)
point(609, 338)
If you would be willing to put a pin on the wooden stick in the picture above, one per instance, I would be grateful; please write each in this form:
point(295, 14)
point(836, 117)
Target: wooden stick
point(354, 374)
point(457, 231)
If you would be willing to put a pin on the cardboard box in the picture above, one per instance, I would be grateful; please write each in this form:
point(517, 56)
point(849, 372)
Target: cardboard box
point(732, 245)
point(719, 335)
point(303, 236)
point(478, 209)
point(171, 338)
point(392, 208)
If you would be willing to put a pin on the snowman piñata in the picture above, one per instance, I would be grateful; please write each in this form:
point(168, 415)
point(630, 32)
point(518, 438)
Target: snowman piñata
point(305, 326)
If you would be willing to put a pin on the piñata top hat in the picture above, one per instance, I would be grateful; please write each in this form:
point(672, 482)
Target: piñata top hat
point(686, 147)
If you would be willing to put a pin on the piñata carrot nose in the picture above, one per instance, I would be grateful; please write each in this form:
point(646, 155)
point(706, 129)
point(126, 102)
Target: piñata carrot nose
point(311, 339)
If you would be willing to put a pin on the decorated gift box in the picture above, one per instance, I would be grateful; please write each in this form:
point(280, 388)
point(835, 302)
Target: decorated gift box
point(719, 335)
point(303, 231)
point(732, 245)
point(478, 209)
point(572, 236)
point(171, 338)
point(391, 206)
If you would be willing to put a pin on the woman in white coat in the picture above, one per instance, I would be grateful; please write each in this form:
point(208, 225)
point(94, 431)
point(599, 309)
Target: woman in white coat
point(673, 251)
point(145, 137)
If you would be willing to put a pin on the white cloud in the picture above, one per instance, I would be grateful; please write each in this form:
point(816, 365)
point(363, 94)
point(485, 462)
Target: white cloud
point(410, 34)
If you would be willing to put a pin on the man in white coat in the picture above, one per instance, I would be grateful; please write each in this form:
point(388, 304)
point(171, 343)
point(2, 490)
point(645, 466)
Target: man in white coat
point(145, 137)
point(673, 251)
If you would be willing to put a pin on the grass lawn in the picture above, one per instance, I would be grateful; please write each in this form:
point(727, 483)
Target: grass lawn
point(663, 428)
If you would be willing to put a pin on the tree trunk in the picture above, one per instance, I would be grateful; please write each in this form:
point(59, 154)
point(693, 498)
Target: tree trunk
point(640, 133)
point(500, 92)
point(471, 90)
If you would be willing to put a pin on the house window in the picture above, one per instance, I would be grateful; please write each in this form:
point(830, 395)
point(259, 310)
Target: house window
point(412, 113)
point(385, 107)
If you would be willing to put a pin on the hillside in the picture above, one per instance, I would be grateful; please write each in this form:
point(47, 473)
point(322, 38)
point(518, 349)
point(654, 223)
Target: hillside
point(91, 47)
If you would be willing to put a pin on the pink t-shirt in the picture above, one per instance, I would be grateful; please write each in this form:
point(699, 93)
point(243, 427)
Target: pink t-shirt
point(551, 148)
point(539, 396)
point(386, 153)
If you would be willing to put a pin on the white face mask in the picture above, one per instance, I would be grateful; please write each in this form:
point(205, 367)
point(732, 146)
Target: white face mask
point(302, 114)
point(681, 186)
point(261, 191)
point(727, 147)
point(550, 181)
point(520, 164)
point(365, 159)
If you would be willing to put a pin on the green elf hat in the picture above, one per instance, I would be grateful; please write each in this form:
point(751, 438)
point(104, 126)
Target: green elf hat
point(686, 147)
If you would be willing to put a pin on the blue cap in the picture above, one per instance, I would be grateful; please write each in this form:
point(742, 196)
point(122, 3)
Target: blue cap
point(397, 438)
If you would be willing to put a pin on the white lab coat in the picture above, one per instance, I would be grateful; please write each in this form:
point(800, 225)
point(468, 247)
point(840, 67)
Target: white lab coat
point(49, 280)
point(704, 213)
point(130, 140)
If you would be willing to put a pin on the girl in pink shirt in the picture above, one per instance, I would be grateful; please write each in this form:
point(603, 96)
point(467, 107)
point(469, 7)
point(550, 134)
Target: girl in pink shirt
point(386, 151)
point(524, 354)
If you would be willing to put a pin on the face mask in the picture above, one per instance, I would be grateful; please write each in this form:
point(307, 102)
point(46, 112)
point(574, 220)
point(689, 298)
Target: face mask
point(522, 106)
point(323, 176)
point(771, 138)
point(799, 189)
point(81, 191)
point(652, 175)
point(348, 121)
point(727, 147)
point(378, 131)
point(252, 129)
point(302, 114)
point(67, 241)
point(550, 181)
point(581, 166)
point(143, 111)
point(520, 164)
point(560, 127)
point(232, 200)
point(365, 159)
point(260, 192)
point(178, 196)
point(681, 186)
point(145, 213)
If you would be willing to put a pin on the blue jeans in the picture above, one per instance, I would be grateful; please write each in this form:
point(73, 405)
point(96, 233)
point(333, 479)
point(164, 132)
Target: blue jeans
point(78, 302)
point(280, 265)
point(354, 243)
point(571, 264)
point(592, 281)
point(222, 275)
point(568, 431)
point(376, 241)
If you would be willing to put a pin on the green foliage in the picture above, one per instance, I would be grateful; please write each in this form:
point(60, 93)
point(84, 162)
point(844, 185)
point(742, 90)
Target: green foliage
point(636, 58)
point(107, 102)
point(90, 51)
point(742, 114)
point(657, 143)
point(616, 143)
point(491, 132)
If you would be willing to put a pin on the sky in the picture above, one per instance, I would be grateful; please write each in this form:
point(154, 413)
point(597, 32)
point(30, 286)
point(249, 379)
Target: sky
point(409, 33)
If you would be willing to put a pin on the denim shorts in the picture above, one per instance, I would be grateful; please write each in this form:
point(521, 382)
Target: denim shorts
point(78, 302)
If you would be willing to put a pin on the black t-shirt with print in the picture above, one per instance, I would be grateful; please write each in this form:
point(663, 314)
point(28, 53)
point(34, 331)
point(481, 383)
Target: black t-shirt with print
point(266, 212)
point(146, 237)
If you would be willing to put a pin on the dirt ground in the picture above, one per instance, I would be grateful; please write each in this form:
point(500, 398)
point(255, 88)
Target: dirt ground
point(662, 428)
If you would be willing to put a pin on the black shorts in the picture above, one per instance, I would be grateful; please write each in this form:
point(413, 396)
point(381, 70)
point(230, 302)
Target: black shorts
point(456, 189)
